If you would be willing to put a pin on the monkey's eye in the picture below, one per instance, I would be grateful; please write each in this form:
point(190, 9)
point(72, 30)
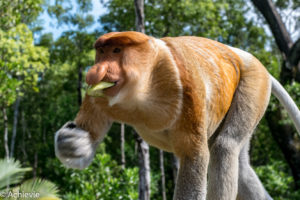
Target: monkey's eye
point(100, 50)
point(117, 50)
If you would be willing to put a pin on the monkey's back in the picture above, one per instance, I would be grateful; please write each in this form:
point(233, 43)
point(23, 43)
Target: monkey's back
point(212, 68)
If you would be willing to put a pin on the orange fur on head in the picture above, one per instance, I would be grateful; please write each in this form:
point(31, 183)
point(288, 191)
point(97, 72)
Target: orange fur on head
point(121, 38)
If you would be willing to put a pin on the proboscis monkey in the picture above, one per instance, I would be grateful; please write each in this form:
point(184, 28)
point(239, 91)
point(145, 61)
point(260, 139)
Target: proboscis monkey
point(192, 96)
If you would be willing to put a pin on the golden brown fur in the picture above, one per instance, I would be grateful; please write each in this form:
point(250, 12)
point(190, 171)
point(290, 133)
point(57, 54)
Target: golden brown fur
point(192, 79)
point(189, 95)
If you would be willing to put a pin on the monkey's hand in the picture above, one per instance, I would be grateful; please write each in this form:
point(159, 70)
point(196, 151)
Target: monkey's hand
point(74, 146)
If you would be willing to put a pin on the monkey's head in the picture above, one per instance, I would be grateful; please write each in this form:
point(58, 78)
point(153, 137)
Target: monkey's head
point(120, 59)
point(145, 79)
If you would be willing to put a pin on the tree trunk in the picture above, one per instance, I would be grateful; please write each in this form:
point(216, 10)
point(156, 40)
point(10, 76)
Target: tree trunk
point(139, 15)
point(35, 165)
point(123, 161)
point(144, 169)
point(23, 147)
point(79, 85)
point(175, 164)
point(15, 125)
point(294, 59)
point(284, 137)
point(162, 171)
point(143, 147)
point(5, 132)
point(283, 134)
point(282, 38)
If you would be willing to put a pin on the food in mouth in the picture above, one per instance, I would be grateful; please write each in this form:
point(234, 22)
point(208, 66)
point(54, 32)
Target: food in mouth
point(97, 90)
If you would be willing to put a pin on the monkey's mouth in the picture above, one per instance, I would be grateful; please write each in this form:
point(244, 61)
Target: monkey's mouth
point(98, 89)
point(114, 89)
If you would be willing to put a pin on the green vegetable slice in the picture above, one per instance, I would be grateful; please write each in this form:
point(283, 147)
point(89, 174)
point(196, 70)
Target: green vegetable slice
point(97, 90)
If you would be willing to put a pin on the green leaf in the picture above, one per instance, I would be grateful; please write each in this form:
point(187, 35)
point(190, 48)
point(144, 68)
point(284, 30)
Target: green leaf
point(11, 172)
point(43, 187)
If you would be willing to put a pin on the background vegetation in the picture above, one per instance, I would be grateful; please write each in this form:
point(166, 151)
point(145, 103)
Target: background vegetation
point(42, 85)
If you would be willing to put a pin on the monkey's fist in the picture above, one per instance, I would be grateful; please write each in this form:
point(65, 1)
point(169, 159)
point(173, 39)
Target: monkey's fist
point(74, 147)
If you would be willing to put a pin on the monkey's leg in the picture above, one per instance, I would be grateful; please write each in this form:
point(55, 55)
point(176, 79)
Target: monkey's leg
point(223, 171)
point(247, 108)
point(191, 181)
point(249, 185)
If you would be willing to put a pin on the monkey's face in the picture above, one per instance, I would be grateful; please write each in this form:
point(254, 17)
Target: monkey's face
point(108, 68)
point(126, 61)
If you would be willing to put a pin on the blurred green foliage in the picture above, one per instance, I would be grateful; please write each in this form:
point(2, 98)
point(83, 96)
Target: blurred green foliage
point(14, 12)
point(102, 180)
point(277, 181)
point(20, 63)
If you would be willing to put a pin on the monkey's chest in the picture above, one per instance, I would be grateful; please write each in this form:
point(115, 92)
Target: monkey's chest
point(159, 139)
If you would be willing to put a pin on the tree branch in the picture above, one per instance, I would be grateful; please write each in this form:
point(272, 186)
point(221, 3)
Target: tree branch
point(280, 33)
point(294, 54)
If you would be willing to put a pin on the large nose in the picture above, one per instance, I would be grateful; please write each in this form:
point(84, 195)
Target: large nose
point(96, 73)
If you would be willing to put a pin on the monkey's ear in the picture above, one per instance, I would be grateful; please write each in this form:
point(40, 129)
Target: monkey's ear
point(121, 38)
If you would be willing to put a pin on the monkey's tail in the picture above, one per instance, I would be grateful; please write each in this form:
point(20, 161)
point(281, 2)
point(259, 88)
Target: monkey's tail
point(285, 99)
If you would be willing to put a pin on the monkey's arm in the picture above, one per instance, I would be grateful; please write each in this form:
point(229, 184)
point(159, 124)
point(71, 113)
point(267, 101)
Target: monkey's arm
point(76, 142)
